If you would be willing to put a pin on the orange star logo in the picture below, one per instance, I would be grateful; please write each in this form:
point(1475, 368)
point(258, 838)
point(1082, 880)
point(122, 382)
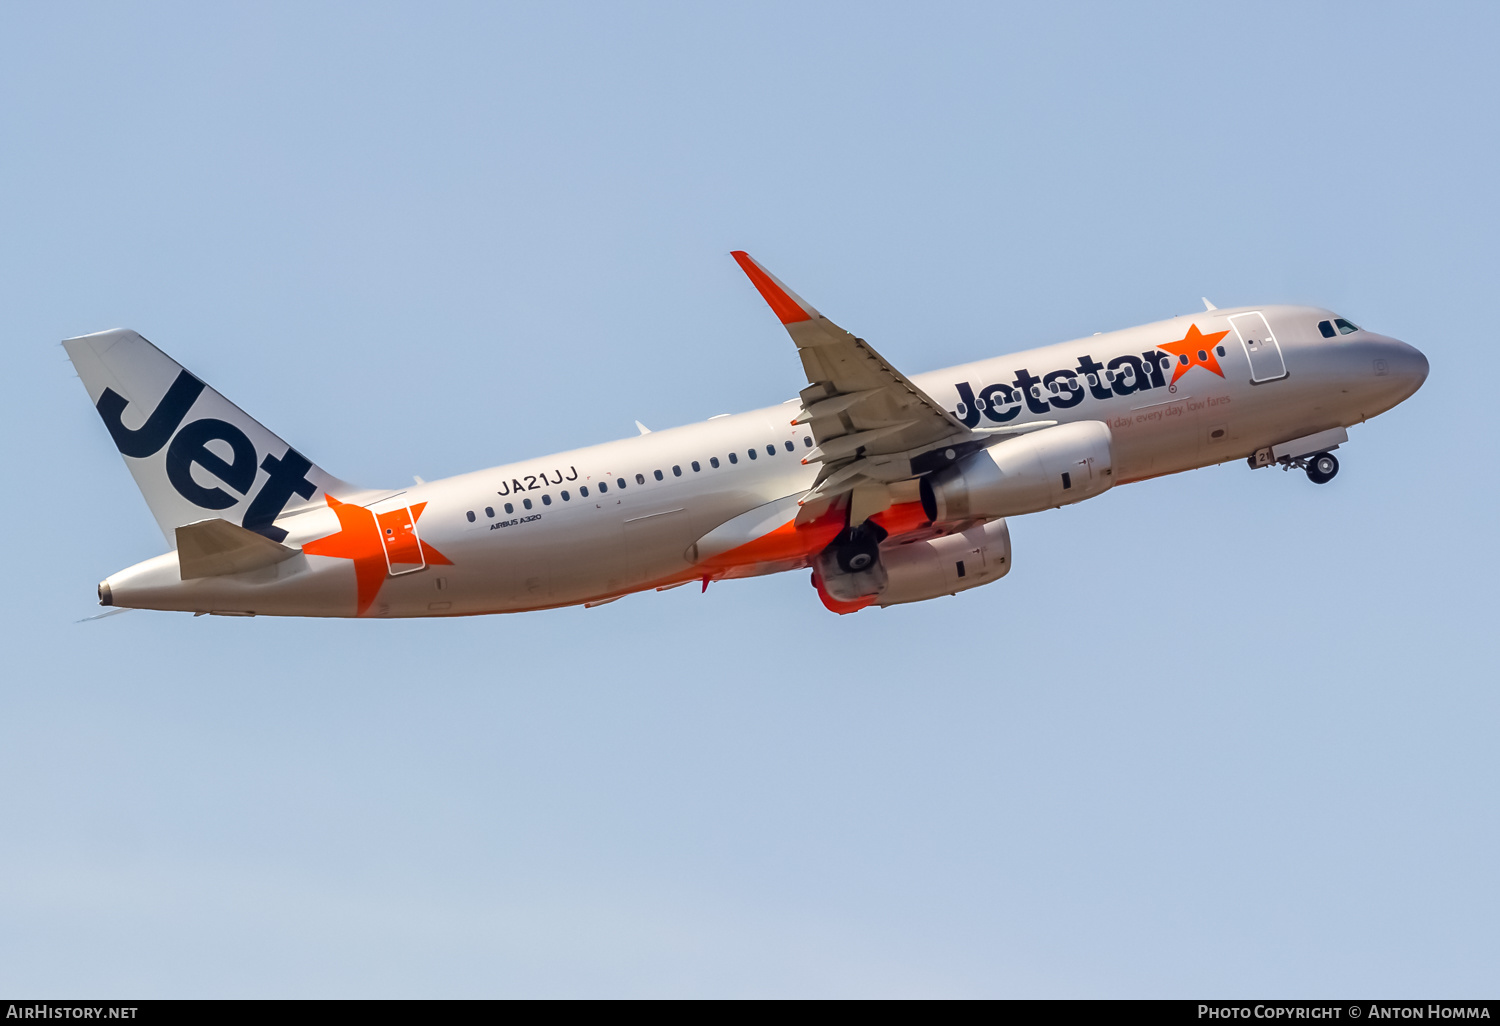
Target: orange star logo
point(375, 542)
point(1194, 349)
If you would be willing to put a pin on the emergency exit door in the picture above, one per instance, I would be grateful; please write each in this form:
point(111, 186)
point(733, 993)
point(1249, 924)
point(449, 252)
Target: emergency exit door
point(1261, 347)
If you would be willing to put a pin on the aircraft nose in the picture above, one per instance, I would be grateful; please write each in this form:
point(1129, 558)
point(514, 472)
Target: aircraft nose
point(1408, 365)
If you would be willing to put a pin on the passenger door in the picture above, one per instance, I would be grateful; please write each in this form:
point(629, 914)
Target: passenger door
point(1261, 347)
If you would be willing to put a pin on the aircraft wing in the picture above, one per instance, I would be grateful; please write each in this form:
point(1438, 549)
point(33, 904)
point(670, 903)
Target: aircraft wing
point(867, 418)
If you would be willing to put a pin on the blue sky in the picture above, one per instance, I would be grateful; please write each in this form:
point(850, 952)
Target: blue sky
point(1223, 733)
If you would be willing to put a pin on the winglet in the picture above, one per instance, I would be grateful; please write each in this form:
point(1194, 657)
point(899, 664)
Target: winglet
point(785, 303)
point(1207, 306)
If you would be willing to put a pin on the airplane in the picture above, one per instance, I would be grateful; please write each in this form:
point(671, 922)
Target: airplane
point(890, 489)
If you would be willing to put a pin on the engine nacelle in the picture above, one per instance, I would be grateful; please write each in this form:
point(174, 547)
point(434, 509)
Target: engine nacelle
point(947, 565)
point(1052, 467)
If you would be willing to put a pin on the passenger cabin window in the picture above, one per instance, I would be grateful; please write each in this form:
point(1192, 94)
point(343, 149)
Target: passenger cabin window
point(641, 478)
point(676, 471)
point(789, 446)
point(753, 454)
point(807, 441)
point(509, 508)
point(733, 458)
point(1345, 327)
point(696, 468)
point(546, 499)
point(770, 450)
point(489, 511)
point(583, 490)
point(621, 481)
point(566, 496)
point(1326, 328)
point(713, 461)
point(603, 487)
point(471, 516)
point(526, 503)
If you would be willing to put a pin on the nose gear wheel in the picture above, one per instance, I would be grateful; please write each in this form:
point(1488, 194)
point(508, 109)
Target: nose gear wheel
point(1322, 468)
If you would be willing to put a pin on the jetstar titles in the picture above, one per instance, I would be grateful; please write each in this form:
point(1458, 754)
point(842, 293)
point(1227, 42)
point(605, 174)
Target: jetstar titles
point(1066, 388)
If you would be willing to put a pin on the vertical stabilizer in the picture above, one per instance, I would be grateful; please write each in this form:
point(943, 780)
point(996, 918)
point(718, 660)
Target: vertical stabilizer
point(194, 454)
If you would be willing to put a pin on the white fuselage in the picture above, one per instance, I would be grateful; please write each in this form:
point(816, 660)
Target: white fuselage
point(595, 523)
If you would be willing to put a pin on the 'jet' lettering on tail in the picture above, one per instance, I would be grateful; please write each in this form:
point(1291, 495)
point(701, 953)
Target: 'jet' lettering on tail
point(189, 446)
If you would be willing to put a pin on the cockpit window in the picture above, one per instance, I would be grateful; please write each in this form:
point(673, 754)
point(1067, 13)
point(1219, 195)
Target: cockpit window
point(1345, 328)
point(1326, 327)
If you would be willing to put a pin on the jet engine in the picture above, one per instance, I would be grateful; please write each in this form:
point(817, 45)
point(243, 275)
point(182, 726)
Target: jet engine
point(915, 571)
point(1052, 467)
point(947, 565)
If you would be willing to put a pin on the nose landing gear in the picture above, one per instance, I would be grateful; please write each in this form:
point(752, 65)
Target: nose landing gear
point(1322, 467)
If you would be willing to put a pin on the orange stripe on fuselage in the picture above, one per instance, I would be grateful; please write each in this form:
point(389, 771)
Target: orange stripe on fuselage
point(902, 518)
point(786, 542)
point(792, 542)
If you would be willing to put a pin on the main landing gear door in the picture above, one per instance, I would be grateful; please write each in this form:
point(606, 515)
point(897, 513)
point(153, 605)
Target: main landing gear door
point(403, 549)
point(1260, 345)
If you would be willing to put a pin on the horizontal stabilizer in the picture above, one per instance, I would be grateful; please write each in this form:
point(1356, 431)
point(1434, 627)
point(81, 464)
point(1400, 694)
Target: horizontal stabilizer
point(213, 548)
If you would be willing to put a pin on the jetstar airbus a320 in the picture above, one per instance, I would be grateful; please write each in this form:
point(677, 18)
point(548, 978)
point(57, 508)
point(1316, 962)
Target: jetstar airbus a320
point(888, 488)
